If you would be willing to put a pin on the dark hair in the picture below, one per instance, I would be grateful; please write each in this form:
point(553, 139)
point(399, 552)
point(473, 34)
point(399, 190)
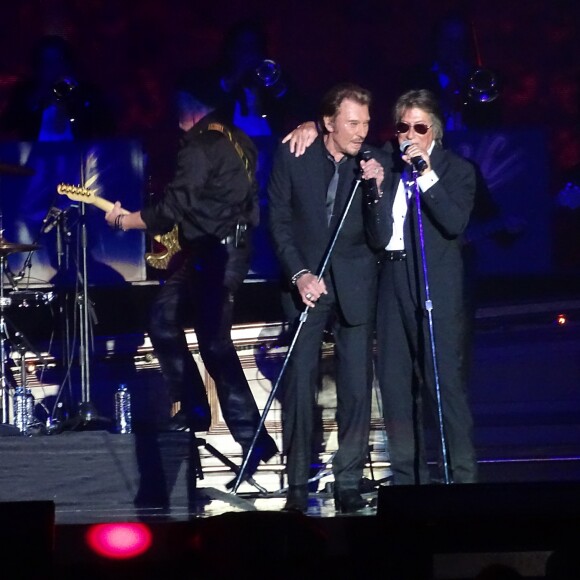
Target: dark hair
point(424, 100)
point(336, 95)
point(202, 84)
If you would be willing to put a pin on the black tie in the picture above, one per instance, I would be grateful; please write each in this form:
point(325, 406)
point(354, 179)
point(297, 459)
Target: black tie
point(331, 191)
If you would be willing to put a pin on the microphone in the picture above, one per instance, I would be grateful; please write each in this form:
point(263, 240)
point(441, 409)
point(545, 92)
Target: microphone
point(370, 185)
point(12, 278)
point(418, 162)
point(51, 219)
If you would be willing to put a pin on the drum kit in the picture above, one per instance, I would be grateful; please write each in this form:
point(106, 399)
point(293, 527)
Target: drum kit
point(14, 298)
point(17, 403)
point(20, 420)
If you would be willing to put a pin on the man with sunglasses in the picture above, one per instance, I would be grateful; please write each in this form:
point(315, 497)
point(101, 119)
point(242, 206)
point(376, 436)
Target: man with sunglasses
point(422, 315)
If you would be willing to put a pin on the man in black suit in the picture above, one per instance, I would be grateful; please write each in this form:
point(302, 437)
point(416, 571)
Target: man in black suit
point(307, 197)
point(412, 332)
point(422, 315)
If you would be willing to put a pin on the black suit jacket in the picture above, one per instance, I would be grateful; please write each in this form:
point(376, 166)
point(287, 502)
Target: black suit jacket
point(445, 212)
point(301, 237)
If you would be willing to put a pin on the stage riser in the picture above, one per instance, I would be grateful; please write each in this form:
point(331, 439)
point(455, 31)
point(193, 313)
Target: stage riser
point(97, 474)
point(523, 385)
point(523, 391)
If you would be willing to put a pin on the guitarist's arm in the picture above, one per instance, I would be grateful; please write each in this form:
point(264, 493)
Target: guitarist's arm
point(121, 219)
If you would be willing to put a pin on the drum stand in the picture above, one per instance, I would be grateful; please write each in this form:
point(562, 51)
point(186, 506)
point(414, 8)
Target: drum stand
point(8, 428)
point(3, 339)
point(5, 384)
point(22, 412)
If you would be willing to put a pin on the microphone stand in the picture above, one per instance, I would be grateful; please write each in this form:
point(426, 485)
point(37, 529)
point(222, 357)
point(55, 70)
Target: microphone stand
point(87, 417)
point(302, 320)
point(68, 337)
point(84, 303)
point(87, 410)
point(52, 218)
point(429, 309)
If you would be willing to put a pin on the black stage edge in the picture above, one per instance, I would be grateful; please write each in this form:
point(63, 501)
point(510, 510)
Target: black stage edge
point(26, 527)
point(254, 544)
point(419, 533)
point(432, 520)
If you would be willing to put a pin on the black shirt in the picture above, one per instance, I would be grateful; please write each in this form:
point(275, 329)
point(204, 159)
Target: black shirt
point(210, 191)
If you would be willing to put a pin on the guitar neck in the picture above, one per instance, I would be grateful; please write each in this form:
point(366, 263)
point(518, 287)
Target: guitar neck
point(103, 204)
point(84, 195)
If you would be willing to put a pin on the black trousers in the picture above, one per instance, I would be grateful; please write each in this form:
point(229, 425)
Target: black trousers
point(353, 371)
point(202, 292)
point(407, 380)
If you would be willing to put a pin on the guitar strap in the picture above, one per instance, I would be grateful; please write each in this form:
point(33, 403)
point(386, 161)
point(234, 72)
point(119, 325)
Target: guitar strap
point(251, 211)
point(222, 129)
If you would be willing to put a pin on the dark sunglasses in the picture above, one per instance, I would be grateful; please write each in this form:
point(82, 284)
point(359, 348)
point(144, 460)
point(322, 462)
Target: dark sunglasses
point(420, 128)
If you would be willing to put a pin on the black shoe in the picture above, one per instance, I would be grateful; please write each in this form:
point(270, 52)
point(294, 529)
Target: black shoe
point(264, 450)
point(297, 499)
point(199, 421)
point(177, 423)
point(349, 501)
point(267, 448)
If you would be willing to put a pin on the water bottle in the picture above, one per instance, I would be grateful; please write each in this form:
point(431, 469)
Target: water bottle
point(123, 409)
point(23, 405)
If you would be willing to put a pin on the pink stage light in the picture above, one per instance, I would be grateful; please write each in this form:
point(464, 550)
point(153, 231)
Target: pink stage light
point(119, 541)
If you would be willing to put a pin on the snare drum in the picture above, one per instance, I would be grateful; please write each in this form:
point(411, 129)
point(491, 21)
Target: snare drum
point(29, 298)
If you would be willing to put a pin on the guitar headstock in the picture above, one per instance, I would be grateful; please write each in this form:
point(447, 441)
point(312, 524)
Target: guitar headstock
point(76, 192)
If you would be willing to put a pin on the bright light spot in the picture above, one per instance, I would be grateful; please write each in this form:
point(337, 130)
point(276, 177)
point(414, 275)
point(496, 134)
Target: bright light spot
point(119, 541)
point(561, 319)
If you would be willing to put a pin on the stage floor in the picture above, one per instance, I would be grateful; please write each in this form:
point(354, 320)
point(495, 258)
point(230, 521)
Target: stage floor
point(94, 477)
point(526, 404)
point(98, 476)
point(249, 535)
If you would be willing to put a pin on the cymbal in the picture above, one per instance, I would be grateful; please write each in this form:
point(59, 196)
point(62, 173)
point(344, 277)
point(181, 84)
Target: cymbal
point(9, 248)
point(11, 169)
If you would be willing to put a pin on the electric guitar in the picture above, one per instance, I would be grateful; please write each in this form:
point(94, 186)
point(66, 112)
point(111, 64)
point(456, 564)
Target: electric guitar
point(169, 242)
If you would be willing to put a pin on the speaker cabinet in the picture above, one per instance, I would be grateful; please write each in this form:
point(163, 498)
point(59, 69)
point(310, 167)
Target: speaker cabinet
point(27, 534)
point(420, 523)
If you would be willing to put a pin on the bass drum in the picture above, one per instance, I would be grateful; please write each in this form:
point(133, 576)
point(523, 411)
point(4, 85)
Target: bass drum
point(28, 298)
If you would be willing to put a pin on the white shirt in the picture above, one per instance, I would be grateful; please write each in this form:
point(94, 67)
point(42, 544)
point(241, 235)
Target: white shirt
point(405, 191)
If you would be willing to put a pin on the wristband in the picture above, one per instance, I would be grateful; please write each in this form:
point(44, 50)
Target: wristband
point(119, 222)
point(294, 278)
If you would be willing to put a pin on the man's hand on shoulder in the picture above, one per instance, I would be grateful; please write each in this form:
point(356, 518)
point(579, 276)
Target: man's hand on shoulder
point(301, 138)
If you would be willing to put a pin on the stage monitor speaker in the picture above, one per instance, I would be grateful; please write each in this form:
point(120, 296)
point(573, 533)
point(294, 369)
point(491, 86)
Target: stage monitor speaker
point(27, 535)
point(527, 515)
